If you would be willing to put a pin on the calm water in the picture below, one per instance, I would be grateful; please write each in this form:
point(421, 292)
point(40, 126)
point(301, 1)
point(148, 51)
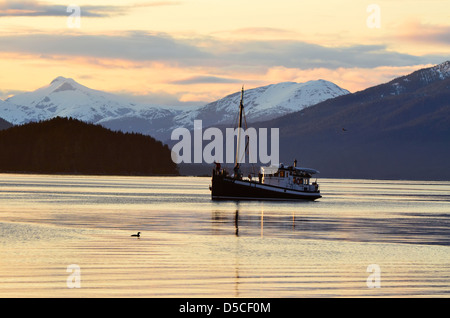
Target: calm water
point(193, 247)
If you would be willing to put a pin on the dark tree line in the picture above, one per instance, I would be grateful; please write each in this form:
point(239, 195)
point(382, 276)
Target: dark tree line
point(66, 145)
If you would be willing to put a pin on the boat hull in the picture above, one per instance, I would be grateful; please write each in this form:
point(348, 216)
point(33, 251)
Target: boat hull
point(227, 188)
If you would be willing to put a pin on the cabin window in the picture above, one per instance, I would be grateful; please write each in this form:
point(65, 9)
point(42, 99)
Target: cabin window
point(282, 174)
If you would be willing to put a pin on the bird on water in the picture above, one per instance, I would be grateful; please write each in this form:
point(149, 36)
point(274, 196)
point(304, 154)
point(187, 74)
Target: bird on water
point(137, 235)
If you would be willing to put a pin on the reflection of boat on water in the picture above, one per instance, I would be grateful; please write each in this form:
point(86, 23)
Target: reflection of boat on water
point(274, 182)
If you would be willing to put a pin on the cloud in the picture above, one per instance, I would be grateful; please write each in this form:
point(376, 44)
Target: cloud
point(258, 32)
point(31, 8)
point(415, 31)
point(41, 9)
point(304, 55)
point(205, 80)
point(4, 94)
point(154, 97)
point(134, 46)
point(230, 57)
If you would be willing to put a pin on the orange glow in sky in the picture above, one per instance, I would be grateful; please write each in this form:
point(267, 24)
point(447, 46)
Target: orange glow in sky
point(201, 50)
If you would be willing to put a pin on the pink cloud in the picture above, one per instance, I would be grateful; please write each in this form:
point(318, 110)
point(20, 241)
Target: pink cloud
point(415, 31)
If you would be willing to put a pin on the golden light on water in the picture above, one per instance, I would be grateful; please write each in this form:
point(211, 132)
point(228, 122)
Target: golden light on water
point(193, 247)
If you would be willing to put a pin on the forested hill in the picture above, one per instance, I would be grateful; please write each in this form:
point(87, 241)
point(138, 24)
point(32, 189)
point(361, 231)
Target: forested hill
point(70, 146)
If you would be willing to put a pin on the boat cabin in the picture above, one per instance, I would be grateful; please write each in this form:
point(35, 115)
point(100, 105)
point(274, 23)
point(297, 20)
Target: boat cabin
point(291, 177)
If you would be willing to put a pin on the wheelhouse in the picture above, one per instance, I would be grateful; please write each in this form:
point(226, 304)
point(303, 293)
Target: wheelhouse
point(291, 177)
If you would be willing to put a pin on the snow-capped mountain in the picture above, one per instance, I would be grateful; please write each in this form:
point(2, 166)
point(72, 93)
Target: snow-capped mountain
point(64, 97)
point(438, 72)
point(418, 78)
point(263, 103)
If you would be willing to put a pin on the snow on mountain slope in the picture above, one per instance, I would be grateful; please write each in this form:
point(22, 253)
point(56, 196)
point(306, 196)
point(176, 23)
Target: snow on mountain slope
point(419, 78)
point(440, 71)
point(15, 114)
point(264, 103)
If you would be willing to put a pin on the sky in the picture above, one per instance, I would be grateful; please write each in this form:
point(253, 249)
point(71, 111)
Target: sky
point(188, 52)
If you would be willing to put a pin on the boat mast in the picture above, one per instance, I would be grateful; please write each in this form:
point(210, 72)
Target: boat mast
point(241, 110)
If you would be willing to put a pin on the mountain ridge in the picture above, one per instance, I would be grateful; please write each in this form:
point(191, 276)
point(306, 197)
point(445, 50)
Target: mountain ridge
point(65, 97)
point(395, 130)
point(400, 129)
point(267, 102)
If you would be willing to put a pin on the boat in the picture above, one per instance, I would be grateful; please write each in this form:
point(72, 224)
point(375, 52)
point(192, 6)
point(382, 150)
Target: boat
point(272, 183)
